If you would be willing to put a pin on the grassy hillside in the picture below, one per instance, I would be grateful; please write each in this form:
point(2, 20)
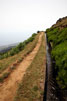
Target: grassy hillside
point(32, 86)
point(61, 23)
point(18, 48)
point(7, 64)
point(57, 37)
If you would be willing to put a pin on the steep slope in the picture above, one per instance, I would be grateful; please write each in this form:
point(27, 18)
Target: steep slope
point(61, 23)
point(7, 64)
point(8, 87)
point(57, 38)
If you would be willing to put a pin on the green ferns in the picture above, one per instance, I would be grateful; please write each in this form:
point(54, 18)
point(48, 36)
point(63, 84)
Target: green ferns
point(58, 38)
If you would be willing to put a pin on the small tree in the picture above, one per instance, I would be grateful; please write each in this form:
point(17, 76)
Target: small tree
point(38, 31)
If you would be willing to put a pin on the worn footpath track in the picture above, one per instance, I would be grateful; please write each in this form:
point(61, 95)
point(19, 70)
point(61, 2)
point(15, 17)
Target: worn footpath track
point(9, 86)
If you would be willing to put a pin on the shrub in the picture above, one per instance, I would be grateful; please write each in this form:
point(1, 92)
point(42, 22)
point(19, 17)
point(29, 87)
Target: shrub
point(38, 31)
point(34, 34)
point(59, 53)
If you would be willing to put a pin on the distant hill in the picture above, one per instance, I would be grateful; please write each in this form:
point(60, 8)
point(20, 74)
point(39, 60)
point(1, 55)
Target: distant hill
point(6, 48)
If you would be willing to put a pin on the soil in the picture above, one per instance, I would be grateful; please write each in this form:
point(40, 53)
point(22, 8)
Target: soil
point(9, 86)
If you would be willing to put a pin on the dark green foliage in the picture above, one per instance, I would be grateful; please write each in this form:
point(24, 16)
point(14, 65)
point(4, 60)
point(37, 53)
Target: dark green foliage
point(6, 55)
point(38, 31)
point(52, 35)
point(62, 36)
point(21, 46)
point(59, 53)
point(58, 38)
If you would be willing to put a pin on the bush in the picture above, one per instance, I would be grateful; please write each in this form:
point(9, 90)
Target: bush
point(34, 34)
point(5, 55)
point(38, 31)
point(12, 52)
point(20, 46)
point(59, 53)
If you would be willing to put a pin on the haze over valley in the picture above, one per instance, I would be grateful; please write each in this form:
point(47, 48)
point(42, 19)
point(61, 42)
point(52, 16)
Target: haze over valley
point(19, 19)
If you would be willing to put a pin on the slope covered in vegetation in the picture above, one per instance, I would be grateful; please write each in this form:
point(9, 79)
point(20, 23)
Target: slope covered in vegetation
point(18, 48)
point(7, 64)
point(57, 37)
point(32, 76)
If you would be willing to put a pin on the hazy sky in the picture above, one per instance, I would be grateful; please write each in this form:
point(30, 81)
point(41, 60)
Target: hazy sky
point(20, 18)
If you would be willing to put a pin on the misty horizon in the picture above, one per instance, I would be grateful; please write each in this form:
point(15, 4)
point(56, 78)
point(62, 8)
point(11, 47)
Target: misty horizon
point(19, 19)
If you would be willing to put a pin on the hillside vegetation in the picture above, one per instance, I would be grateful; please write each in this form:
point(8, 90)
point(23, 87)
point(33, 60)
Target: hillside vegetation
point(18, 48)
point(16, 55)
point(57, 37)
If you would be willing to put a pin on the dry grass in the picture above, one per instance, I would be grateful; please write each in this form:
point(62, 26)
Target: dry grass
point(61, 23)
point(6, 63)
point(32, 86)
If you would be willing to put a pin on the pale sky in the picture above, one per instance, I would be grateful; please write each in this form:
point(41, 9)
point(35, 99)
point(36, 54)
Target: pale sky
point(20, 18)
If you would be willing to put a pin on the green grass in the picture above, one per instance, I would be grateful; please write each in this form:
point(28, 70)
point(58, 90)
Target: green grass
point(30, 89)
point(7, 62)
point(58, 38)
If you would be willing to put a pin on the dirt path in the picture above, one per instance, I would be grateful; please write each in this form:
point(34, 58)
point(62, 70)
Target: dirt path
point(8, 88)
